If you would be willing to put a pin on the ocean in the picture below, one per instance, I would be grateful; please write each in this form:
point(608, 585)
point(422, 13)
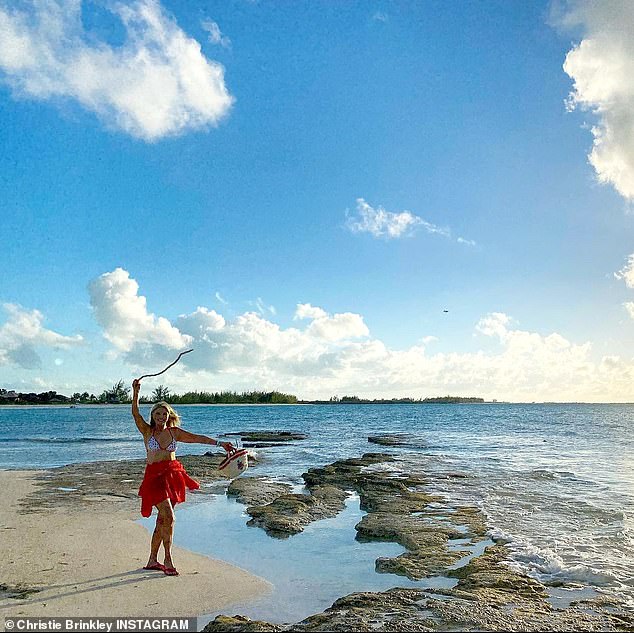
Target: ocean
point(556, 481)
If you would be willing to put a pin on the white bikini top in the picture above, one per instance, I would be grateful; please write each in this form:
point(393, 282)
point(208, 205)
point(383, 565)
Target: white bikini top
point(153, 444)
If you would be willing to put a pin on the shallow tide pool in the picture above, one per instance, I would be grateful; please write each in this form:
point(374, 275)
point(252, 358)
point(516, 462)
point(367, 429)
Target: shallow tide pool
point(308, 571)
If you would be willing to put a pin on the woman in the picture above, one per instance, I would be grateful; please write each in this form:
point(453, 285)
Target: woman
point(165, 478)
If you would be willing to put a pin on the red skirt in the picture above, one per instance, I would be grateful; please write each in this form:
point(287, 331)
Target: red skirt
point(166, 479)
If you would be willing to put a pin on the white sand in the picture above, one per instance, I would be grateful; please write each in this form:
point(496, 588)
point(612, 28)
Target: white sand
point(89, 562)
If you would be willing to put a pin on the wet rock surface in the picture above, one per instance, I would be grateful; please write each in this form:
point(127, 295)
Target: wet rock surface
point(398, 511)
point(253, 491)
point(397, 439)
point(240, 623)
point(437, 534)
point(290, 513)
point(267, 438)
point(488, 597)
point(76, 485)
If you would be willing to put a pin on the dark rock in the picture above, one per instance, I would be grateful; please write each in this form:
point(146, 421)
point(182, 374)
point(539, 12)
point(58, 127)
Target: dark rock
point(269, 436)
point(239, 623)
point(397, 439)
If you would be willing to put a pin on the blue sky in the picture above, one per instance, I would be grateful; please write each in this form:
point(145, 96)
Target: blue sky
point(252, 157)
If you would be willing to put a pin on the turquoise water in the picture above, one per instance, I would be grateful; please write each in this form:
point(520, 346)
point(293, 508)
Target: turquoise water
point(556, 481)
point(308, 571)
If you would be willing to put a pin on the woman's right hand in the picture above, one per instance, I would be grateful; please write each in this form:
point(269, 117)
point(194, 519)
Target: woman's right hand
point(136, 384)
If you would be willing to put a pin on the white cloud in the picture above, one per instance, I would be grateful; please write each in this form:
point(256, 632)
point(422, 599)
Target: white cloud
point(156, 84)
point(629, 306)
point(123, 315)
point(221, 299)
point(336, 354)
point(331, 328)
point(380, 16)
point(215, 35)
point(627, 272)
point(338, 327)
point(23, 333)
point(494, 324)
point(307, 311)
point(602, 68)
point(381, 223)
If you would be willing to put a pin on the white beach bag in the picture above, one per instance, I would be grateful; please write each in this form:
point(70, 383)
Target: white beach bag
point(234, 464)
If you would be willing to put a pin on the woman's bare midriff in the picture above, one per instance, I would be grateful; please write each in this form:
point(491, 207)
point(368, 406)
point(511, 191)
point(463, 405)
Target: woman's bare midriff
point(161, 456)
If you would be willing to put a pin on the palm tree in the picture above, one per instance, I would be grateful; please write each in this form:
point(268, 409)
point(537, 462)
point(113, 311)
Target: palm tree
point(118, 393)
point(160, 393)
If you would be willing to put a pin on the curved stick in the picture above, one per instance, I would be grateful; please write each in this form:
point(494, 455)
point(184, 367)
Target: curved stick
point(170, 365)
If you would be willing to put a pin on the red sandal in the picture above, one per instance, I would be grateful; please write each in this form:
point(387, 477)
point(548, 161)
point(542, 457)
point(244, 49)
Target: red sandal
point(155, 566)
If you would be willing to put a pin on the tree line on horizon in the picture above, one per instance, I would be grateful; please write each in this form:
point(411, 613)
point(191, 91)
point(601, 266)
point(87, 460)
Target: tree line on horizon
point(120, 393)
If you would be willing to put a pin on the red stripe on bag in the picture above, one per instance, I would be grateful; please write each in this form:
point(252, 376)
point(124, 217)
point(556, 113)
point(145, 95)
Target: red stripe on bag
point(231, 456)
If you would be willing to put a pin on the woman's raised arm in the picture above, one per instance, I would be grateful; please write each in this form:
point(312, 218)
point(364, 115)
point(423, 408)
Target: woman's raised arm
point(141, 424)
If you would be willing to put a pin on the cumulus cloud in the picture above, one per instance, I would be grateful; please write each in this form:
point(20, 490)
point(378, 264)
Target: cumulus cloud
point(601, 66)
point(331, 328)
point(335, 353)
point(23, 333)
point(215, 34)
point(157, 83)
point(381, 223)
point(123, 315)
point(307, 311)
point(338, 327)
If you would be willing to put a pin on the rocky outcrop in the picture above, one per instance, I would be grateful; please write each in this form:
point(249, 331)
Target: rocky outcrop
point(397, 439)
point(484, 600)
point(255, 491)
point(290, 513)
point(81, 484)
point(262, 439)
point(240, 623)
point(488, 595)
point(397, 511)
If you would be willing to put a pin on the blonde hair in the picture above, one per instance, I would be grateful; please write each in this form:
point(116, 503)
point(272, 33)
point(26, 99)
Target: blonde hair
point(173, 419)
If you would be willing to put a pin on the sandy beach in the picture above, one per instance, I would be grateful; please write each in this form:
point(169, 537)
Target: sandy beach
point(60, 559)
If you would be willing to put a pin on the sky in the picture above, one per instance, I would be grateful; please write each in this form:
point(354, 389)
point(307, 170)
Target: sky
point(382, 199)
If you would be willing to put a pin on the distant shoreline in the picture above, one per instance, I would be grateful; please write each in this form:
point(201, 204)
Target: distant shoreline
point(295, 404)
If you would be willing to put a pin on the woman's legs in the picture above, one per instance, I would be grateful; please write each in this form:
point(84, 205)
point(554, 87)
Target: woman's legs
point(157, 539)
point(166, 515)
